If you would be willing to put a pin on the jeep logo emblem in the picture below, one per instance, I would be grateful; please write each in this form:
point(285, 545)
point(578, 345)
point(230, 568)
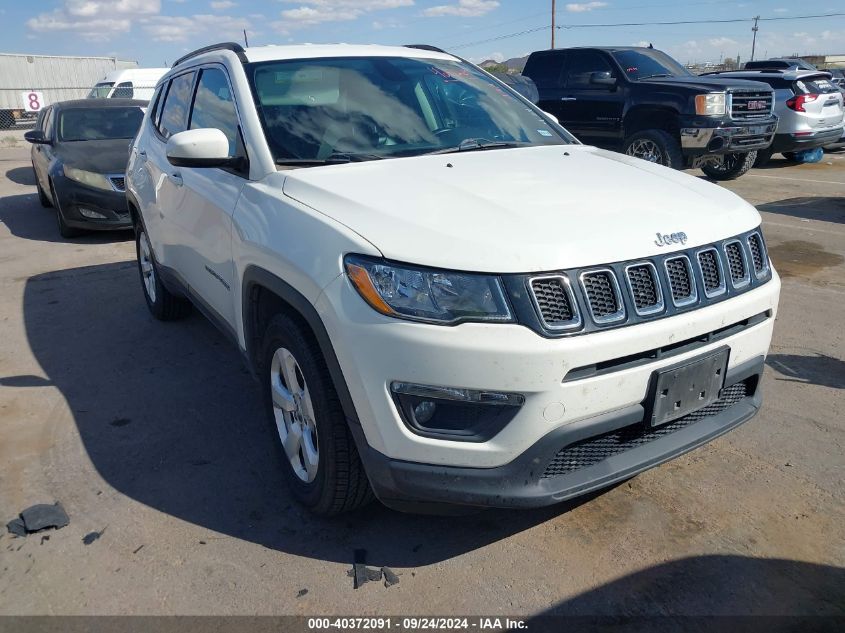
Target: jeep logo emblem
point(672, 238)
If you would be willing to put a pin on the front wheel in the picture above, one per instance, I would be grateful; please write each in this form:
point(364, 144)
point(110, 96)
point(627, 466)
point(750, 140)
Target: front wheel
point(655, 146)
point(730, 166)
point(163, 304)
point(318, 453)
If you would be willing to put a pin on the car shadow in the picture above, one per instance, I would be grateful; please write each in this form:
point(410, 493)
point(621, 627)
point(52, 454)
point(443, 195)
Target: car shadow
point(818, 369)
point(701, 593)
point(170, 417)
point(27, 219)
point(21, 175)
point(825, 208)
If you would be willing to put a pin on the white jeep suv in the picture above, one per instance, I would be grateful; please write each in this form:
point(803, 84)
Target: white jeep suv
point(447, 299)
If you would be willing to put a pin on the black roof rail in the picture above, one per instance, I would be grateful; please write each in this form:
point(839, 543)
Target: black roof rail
point(426, 47)
point(222, 46)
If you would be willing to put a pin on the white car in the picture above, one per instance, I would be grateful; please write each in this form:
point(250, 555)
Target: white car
point(446, 298)
point(128, 83)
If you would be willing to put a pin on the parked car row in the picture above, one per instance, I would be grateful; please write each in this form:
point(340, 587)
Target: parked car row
point(446, 297)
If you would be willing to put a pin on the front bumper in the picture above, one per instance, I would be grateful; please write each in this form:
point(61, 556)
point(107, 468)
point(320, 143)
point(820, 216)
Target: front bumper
point(567, 462)
point(800, 142)
point(74, 197)
point(704, 136)
point(374, 350)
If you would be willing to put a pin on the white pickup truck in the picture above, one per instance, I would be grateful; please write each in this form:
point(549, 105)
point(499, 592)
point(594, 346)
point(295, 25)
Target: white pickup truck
point(447, 299)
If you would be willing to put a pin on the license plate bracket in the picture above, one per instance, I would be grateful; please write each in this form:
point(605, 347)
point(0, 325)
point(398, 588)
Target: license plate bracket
point(685, 388)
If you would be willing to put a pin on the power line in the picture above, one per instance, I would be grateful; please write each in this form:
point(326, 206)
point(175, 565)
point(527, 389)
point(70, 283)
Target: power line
point(618, 24)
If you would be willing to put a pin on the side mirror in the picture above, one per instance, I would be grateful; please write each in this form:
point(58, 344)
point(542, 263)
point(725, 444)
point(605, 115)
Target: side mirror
point(552, 117)
point(602, 78)
point(205, 147)
point(36, 137)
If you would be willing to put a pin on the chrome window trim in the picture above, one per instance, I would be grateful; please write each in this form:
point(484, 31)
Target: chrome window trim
point(764, 254)
point(742, 283)
point(576, 321)
point(723, 287)
point(620, 314)
point(661, 303)
point(693, 297)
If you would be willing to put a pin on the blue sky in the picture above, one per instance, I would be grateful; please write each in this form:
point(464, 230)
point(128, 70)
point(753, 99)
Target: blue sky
point(157, 31)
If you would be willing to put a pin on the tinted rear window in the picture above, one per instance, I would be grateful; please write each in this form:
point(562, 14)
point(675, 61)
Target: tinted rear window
point(97, 124)
point(815, 85)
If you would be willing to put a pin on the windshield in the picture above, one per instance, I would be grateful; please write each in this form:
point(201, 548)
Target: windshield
point(101, 90)
point(97, 124)
point(642, 64)
point(381, 107)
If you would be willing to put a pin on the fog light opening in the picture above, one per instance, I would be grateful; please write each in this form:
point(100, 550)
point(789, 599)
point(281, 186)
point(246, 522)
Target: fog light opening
point(89, 213)
point(424, 411)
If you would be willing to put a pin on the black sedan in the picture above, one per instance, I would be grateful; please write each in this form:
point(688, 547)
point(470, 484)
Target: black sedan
point(79, 154)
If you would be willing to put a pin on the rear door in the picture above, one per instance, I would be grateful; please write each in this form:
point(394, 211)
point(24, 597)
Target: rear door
point(593, 112)
point(199, 223)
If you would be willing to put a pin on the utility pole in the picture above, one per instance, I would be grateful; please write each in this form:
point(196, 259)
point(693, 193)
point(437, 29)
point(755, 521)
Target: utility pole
point(246, 39)
point(754, 40)
point(553, 23)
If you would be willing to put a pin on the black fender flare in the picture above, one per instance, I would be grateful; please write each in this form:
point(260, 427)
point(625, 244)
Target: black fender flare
point(258, 277)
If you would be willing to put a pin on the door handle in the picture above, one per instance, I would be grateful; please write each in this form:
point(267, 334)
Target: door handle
point(176, 179)
point(568, 99)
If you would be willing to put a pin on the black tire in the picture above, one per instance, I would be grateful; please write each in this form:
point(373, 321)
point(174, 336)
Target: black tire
point(656, 146)
point(340, 484)
point(763, 157)
point(163, 304)
point(64, 230)
point(732, 166)
point(42, 197)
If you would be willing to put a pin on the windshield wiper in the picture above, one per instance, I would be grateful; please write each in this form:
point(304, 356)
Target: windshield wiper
point(475, 144)
point(338, 158)
point(656, 75)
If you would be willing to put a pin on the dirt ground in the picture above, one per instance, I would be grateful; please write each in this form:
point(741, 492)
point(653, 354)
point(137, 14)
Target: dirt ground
point(152, 438)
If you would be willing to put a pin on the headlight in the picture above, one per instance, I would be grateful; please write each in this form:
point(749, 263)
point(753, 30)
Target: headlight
point(430, 295)
point(710, 104)
point(98, 181)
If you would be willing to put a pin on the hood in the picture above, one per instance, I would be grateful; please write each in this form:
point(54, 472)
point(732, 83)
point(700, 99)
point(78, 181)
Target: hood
point(102, 157)
point(520, 210)
point(707, 83)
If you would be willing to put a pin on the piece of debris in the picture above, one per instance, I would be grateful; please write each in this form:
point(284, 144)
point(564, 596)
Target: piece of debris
point(92, 536)
point(138, 549)
point(301, 593)
point(16, 527)
point(202, 543)
point(390, 577)
point(38, 517)
point(360, 572)
point(45, 537)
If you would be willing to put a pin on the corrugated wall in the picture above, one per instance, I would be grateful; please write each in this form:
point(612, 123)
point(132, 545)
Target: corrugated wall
point(58, 78)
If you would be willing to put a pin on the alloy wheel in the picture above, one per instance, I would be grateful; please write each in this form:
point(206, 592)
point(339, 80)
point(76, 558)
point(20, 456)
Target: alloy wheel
point(293, 411)
point(145, 260)
point(646, 149)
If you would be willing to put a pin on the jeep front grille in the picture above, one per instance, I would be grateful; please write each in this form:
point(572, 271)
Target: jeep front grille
point(593, 450)
point(750, 105)
point(628, 292)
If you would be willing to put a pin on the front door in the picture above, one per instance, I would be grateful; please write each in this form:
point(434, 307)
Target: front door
point(591, 110)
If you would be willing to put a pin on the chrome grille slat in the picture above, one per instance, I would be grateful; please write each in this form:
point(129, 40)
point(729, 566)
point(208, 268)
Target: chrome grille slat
point(737, 264)
point(759, 257)
point(604, 298)
point(681, 280)
point(118, 182)
point(645, 289)
point(740, 101)
point(710, 267)
point(555, 302)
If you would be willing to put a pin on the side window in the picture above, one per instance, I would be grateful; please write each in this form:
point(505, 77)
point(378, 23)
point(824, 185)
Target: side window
point(582, 64)
point(545, 70)
point(123, 90)
point(158, 102)
point(47, 123)
point(174, 113)
point(214, 106)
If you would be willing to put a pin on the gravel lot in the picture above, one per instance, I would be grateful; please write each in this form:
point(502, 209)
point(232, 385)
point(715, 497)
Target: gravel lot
point(151, 436)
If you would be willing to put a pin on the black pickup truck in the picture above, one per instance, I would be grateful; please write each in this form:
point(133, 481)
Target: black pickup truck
point(642, 102)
